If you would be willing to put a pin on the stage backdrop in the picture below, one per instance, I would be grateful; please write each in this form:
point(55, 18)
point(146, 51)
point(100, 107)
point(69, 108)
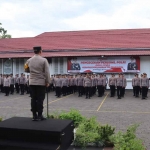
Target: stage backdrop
point(99, 64)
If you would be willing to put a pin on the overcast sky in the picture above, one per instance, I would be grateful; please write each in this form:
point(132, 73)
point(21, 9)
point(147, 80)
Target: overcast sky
point(27, 18)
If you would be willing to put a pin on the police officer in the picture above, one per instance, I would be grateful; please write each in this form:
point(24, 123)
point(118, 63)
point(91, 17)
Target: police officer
point(100, 83)
point(124, 85)
point(87, 83)
point(22, 81)
point(65, 84)
point(12, 83)
point(17, 83)
point(71, 84)
point(119, 85)
point(133, 81)
point(136, 85)
point(57, 85)
point(93, 85)
point(79, 81)
point(38, 81)
point(6, 84)
point(112, 81)
point(144, 83)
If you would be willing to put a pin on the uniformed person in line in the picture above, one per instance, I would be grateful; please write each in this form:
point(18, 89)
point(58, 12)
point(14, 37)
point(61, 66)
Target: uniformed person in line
point(140, 86)
point(79, 81)
point(2, 84)
point(132, 65)
point(112, 81)
point(148, 86)
point(124, 86)
point(100, 83)
point(57, 85)
point(87, 83)
point(17, 83)
point(136, 85)
point(38, 81)
point(71, 84)
point(144, 83)
point(22, 81)
point(93, 85)
point(6, 85)
point(12, 83)
point(133, 81)
point(119, 85)
point(64, 85)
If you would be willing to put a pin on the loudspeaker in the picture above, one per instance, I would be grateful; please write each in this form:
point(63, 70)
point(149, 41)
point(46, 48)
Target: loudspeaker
point(19, 133)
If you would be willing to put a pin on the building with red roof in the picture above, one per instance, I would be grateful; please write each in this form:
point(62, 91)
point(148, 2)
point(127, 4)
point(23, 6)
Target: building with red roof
point(95, 51)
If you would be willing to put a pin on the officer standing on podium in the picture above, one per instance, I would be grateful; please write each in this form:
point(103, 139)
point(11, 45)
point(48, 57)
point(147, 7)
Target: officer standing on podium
point(38, 81)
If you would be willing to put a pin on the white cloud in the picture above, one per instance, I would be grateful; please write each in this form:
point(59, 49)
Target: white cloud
point(135, 14)
point(29, 18)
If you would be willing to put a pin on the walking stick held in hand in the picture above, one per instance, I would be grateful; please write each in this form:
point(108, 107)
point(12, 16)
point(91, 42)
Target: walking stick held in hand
point(47, 100)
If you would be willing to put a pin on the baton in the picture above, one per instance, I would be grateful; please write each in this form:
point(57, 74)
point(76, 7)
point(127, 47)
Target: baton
point(47, 100)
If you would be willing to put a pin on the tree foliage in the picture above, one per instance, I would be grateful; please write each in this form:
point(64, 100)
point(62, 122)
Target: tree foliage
point(3, 33)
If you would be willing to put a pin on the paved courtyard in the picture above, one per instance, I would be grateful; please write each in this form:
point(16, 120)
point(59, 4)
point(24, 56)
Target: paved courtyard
point(119, 113)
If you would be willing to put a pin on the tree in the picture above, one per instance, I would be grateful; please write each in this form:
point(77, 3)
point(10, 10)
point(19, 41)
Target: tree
point(3, 33)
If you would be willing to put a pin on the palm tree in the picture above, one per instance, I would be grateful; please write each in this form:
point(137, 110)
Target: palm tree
point(3, 33)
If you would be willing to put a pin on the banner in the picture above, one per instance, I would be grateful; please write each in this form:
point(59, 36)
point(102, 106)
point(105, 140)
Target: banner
point(100, 65)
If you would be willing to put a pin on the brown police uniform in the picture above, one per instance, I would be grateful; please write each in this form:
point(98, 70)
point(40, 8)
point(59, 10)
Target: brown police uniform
point(39, 77)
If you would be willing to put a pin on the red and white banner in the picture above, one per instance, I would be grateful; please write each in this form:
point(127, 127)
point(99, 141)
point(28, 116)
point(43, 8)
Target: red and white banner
point(99, 64)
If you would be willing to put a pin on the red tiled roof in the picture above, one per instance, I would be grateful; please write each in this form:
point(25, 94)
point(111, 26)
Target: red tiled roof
point(78, 53)
point(79, 40)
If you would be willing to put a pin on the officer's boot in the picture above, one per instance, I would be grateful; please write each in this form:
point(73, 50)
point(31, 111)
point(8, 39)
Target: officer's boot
point(41, 117)
point(35, 117)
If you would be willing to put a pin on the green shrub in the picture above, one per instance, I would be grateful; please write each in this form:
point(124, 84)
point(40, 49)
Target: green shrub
point(86, 133)
point(105, 132)
point(127, 140)
point(0, 119)
point(74, 115)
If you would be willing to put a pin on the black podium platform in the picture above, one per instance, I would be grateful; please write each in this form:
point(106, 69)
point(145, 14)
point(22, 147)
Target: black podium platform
point(20, 133)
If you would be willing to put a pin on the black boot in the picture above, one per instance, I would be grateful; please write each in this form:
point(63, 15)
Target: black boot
point(41, 117)
point(35, 117)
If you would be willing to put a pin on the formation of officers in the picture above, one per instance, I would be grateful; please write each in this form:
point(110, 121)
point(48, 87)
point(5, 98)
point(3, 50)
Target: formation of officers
point(20, 83)
point(84, 84)
point(88, 85)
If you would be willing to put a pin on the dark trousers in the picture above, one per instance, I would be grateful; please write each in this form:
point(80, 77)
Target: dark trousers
point(123, 91)
point(2, 88)
point(71, 89)
point(80, 90)
point(93, 90)
point(112, 90)
point(37, 98)
point(17, 87)
point(22, 88)
point(64, 90)
point(119, 91)
point(134, 91)
point(88, 92)
point(137, 89)
point(6, 90)
point(58, 91)
point(144, 91)
point(12, 88)
point(100, 90)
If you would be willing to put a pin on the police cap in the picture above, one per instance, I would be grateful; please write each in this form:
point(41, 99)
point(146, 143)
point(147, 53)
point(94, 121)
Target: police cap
point(37, 49)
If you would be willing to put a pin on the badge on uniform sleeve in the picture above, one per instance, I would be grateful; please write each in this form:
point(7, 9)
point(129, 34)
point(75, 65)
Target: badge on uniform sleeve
point(26, 68)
